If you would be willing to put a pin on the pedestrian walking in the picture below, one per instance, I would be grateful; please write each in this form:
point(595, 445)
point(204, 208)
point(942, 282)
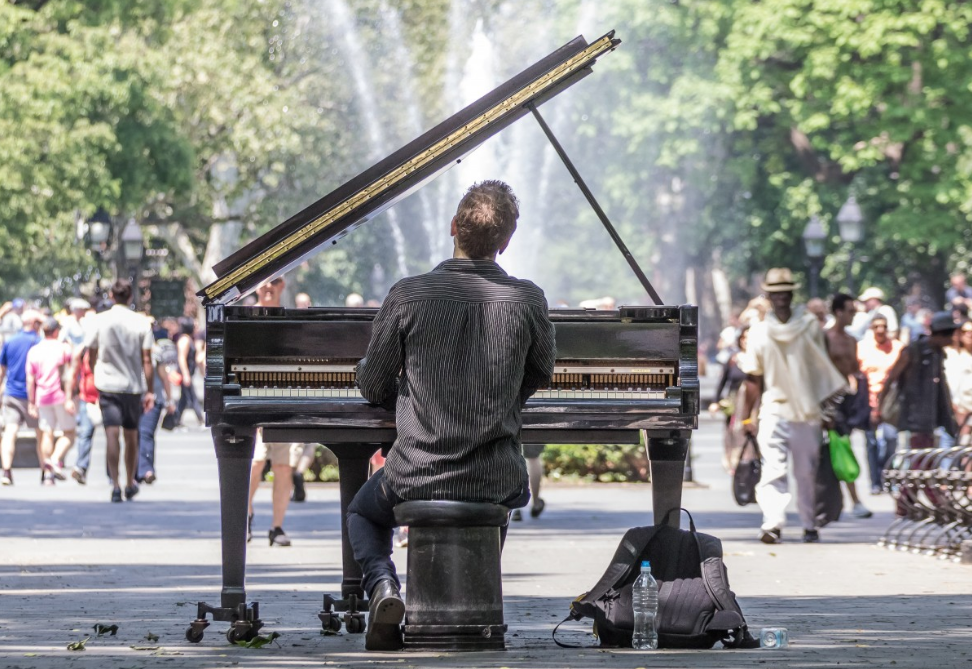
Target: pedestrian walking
point(925, 403)
point(853, 413)
point(120, 345)
point(163, 354)
point(877, 355)
point(88, 413)
point(13, 379)
point(186, 346)
point(789, 367)
point(47, 363)
point(958, 372)
point(283, 457)
point(873, 300)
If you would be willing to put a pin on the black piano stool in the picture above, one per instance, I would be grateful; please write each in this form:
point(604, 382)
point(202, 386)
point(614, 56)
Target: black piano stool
point(454, 592)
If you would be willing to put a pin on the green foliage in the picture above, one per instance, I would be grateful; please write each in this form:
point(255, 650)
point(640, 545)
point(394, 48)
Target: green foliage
point(605, 464)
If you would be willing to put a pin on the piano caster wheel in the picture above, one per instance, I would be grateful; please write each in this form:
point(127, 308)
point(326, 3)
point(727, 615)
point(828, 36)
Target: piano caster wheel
point(354, 622)
point(243, 631)
point(194, 634)
point(330, 623)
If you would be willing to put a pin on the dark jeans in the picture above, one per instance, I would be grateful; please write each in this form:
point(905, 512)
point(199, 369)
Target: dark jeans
point(881, 445)
point(371, 522)
point(188, 399)
point(147, 426)
point(85, 433)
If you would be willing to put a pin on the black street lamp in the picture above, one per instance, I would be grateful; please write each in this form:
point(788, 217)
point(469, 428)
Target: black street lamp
point(851, 223)
point(132, 246)
point(813, 239)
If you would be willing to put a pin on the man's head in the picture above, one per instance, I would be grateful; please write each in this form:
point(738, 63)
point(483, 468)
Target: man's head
point(302, 301)
point(485, 220)
point(818, 308)
point(121, 292)
point(17, 305)
point(872, 298)
point(51, 327)
point(269, 292)
point(958, 281)
point(32, 319)
point(879, 326)
point(943, 327)
point(779, 286)
point(78, 307)
point(354, 300)
point(842, 306)
point(912, 305)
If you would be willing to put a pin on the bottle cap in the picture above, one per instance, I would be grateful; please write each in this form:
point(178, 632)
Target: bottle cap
point(645, 564)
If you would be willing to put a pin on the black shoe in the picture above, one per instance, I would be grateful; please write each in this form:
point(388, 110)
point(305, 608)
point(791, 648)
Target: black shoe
point(516, 516)
point(131, 491)
point(811, 537)
point(116, 495)
point(537, 508)
point(774, 536)
point(386, 610)
point(278, 537)
point(300, 494)
point(249, 528)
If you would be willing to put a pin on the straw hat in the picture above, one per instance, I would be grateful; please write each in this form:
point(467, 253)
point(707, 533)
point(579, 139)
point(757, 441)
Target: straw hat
point(779, 280)
point(872, 294)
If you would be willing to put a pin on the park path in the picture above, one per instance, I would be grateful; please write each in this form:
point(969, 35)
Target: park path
point(70, 560)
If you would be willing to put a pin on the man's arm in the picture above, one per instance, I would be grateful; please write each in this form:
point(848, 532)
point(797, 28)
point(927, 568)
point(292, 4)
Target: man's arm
point(541, 355)
point(31, 392)
point(148, 399)
point(894, 374)
point(379, 370)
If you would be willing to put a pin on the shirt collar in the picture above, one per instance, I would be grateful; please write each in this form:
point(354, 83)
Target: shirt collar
point(481, 267)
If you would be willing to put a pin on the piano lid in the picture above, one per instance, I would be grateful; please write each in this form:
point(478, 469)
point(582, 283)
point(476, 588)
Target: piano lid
point(403, 172)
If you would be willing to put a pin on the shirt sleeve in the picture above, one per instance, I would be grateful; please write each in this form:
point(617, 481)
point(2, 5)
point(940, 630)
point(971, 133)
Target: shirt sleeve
point(379, 370)
point(91, 336)
point(542, 354)
point(148, 341)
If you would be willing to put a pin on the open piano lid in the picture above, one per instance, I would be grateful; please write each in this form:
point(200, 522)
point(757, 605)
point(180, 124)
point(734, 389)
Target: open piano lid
point(403, 172)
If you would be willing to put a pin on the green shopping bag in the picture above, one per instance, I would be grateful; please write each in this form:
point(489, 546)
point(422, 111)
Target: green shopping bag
point(842, 457)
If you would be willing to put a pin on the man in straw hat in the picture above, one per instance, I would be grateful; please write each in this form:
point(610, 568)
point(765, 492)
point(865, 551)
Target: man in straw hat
point(787, 363)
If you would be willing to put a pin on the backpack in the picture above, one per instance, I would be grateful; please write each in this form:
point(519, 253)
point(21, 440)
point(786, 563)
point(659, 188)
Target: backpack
point(696, 608)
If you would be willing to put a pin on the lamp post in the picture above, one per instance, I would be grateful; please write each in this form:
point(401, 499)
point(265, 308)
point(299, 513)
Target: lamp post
point(132, 245)
point(851, 223)
point(813, 240)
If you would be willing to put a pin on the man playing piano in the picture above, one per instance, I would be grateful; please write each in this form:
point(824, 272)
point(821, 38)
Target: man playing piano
point(457, 351)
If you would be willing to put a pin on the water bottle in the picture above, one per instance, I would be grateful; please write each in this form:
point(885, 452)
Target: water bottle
point(644, 600)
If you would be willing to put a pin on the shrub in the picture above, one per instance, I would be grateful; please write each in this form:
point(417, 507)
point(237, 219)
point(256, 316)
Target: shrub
point(595, 462)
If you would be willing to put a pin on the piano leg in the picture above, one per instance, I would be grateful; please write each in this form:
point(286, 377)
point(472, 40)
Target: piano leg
point(234, 455)
point(666, 454)
point(353, 472)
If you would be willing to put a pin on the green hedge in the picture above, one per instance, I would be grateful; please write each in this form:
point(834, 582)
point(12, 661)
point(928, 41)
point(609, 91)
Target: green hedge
point(607, 464)
point(590, 462)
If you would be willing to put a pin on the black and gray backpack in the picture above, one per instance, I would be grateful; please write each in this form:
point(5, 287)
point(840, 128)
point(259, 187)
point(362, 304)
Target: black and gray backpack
point(696, 608)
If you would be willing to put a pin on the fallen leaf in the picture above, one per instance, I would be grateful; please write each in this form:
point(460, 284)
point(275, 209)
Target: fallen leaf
point(258, 641)
point(151, 637)
point(144, 647)
point(78, 645)
point(101, 629)
point(30, 654)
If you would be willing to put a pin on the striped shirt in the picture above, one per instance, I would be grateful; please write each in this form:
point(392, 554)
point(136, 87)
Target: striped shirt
point(460, 348)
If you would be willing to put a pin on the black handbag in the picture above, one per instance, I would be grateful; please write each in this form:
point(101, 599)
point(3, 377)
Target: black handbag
point(747, 473)
point(169, 421)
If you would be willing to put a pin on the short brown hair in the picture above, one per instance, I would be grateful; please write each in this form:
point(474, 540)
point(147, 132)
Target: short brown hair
point(121, 291)
point(486, 218)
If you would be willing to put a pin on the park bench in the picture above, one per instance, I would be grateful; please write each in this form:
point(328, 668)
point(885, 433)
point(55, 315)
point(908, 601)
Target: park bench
point(932, 488)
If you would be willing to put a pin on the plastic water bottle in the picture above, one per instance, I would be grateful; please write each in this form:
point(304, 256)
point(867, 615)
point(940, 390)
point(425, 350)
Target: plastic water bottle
point(644, 600)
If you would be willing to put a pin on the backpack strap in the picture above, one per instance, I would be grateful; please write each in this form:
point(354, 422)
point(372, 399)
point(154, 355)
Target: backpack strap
point(691, 519)
point(572, 616)
point(629, 550)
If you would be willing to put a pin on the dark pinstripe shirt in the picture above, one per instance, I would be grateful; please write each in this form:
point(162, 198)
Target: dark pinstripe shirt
point(461, 348)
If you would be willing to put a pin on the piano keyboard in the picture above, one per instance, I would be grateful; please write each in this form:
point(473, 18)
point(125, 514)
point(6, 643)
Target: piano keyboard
point(353, 394)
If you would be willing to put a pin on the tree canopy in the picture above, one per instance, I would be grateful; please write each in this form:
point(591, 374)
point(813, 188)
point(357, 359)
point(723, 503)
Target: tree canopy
point(711, 136)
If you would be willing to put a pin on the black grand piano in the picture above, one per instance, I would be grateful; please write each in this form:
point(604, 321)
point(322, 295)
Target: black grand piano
point(619, 374)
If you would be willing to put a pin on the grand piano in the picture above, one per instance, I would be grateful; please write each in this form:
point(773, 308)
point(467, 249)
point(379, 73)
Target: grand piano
point(621, 376)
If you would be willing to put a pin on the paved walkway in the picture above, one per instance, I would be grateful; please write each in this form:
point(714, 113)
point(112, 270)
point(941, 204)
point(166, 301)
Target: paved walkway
point(69, 560)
